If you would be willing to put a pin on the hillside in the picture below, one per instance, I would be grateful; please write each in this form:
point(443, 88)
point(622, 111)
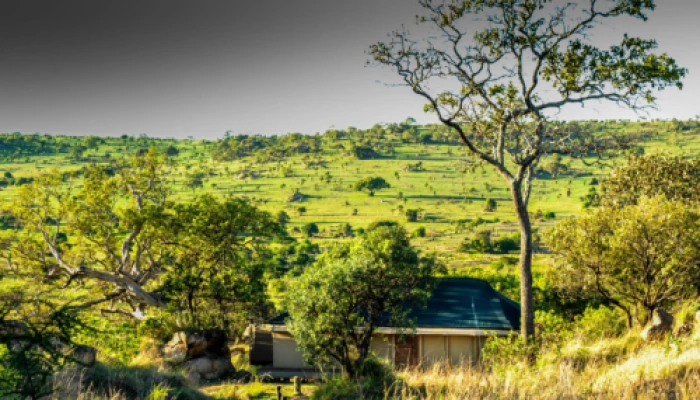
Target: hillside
point(437, 192)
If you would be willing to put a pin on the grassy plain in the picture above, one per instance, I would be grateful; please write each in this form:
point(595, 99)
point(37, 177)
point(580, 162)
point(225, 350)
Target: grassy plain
point(447, 196)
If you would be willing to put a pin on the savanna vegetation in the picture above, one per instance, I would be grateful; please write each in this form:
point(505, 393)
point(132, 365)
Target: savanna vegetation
point(117, 243)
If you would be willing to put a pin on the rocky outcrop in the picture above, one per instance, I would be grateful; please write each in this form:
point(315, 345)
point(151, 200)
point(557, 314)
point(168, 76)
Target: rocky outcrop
point(208, 367)
point(661, 324)
point(202, 354)
point(296, 197)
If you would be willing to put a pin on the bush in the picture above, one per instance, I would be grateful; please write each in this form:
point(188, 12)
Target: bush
point(376, 379)
point(420, 232)
point(491, 205)
point(601, 322)
point(500, 353)
point(310, 229)
point(378, 224)
point(481, 242)
point(411, 215)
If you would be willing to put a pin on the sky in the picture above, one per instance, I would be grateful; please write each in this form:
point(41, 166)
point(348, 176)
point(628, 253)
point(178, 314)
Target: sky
point(179, 68)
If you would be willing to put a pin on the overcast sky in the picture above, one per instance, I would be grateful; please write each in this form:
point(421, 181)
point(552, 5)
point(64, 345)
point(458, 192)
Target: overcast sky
point(177, 68)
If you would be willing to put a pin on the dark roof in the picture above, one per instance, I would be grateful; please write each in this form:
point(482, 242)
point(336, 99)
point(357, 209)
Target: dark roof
point(461, 303)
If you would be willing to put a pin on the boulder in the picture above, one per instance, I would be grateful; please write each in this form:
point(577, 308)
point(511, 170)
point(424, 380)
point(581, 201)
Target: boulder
point(185, 346)
point(208, 367)
point(661, 324)
point(295, 197)
point(83, 355)
point(175, 351)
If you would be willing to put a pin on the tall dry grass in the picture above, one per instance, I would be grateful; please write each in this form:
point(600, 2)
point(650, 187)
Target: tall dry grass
point(621, 369)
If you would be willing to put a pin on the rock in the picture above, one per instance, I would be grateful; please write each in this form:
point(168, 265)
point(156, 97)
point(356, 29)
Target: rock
point(208, 367)
point(185, 346)
point(242, 376)
point(661, 325)
point(295, 198)
point(175, 351)
point(196, 344)
point(83, 355)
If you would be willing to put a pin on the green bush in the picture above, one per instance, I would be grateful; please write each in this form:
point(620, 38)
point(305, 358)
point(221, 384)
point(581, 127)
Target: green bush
point(309, 229)
point(411, 215)
point(491, 205)
point(376, 380)
point(601, 322)
point(420, 232)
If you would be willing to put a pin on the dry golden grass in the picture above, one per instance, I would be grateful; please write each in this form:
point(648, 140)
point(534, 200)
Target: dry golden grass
point(620, 368)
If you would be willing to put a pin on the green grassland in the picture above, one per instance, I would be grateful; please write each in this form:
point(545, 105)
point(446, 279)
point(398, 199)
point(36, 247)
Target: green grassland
point(441, 190)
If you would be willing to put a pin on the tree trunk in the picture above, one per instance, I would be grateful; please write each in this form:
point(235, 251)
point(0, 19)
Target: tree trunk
point(527, 312)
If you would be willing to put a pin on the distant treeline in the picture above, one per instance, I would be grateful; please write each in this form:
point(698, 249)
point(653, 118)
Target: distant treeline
point(378, 141)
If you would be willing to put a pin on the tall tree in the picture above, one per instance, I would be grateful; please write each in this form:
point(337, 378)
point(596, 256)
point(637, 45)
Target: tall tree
point(336, 305)
point(216, 278)
point(497, 86)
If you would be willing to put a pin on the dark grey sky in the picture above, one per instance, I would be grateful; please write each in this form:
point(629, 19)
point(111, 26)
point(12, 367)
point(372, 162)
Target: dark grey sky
point(201, 67)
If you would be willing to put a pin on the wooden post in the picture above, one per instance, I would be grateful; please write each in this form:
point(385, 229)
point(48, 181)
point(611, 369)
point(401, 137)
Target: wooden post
point(297, 386)
point(279, 392)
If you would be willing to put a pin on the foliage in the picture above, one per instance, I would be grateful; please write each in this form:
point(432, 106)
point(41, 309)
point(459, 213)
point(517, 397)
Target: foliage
point(111, 230)
point(364, 152)
point(336, 305)
point(412, 215)
point(195, 180)
point(375, 381)
point(34, 338)
point(309, 229)
point(282, 217)
point(637, 257)
point(420, 232)
point(371, 184)
point(382, 223)
point(672, 176)
point(600, 323)
point(216, 276)
point(481, 242)
point(491, 205)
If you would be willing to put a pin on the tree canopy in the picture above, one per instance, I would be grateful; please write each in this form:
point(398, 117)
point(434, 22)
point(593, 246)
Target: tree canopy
point(637, 257)
point(217, 275)
point(371, 184)
point(336, 304)
point(649, 175)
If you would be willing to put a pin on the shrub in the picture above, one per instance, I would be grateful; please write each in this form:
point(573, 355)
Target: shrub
point(420, 232)
point(310, 229)
point(411, 215)
point(377, 224)
point(601, 322)
point(491, 205)
point(376, 379)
